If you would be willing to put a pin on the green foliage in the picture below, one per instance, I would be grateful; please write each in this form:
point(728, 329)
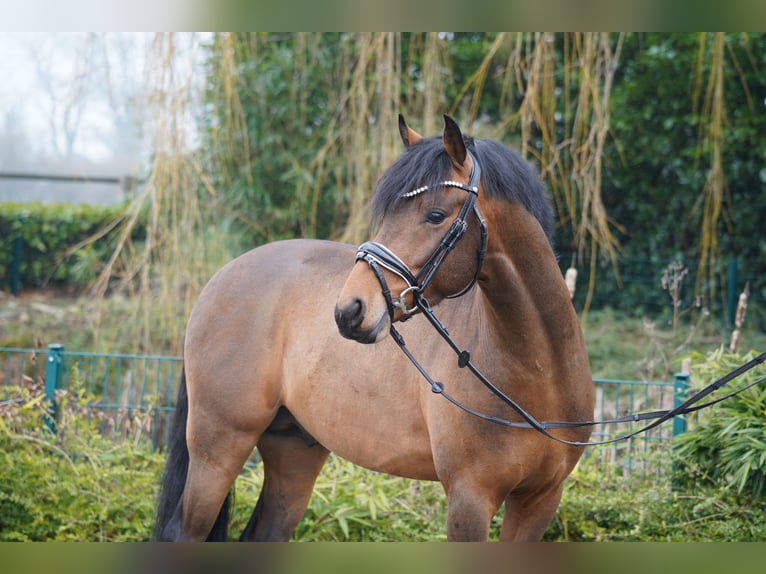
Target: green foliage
point(726, 445)
point(77, 485)
point(656, 168)
point(601, 504)
point(350, 503)
point(74, 485)
point(653, 164)
point(55, 247)
point(262, 167)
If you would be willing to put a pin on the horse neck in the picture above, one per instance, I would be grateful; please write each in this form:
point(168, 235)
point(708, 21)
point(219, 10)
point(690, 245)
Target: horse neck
point(525, 296)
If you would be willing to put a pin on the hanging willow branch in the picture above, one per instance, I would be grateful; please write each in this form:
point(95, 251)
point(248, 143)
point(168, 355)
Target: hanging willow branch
point(597, 60)
point(555, 98)
point(563, 120)
point(163, 272)
point(369, 137)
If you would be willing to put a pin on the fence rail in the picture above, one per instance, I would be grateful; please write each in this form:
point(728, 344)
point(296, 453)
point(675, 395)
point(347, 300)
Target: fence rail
point(133, 396)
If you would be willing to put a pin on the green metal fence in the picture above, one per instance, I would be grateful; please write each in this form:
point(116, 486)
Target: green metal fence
point(617, 398)
point(133, 396)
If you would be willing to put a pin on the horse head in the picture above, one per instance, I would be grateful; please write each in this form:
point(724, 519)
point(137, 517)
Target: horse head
point(431, 240)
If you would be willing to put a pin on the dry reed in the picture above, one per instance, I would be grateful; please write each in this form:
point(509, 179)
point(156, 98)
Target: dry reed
point(162, 275)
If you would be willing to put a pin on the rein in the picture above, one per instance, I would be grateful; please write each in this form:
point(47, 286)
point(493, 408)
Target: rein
point(377, 255)
point(544, 427)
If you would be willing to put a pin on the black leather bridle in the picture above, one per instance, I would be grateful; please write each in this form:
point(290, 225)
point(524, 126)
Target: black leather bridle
point(379, 256)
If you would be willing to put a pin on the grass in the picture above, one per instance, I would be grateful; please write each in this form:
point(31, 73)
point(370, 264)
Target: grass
point(629, 348)
point(38, 318)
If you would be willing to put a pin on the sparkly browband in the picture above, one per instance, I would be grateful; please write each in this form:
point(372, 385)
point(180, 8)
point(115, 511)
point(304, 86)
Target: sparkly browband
point(448, 183)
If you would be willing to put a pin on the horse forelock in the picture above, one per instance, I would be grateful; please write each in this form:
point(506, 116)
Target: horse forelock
point(423, 163)
point(505, 175)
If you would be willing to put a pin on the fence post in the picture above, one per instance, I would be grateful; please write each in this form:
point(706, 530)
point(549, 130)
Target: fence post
point(680, 394)
point(53, 369)
point(680, 388)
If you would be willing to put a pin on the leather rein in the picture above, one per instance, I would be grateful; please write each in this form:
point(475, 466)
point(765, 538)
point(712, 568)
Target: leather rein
point(378, 256)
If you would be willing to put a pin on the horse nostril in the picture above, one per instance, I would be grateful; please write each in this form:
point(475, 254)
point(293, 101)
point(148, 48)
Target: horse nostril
point(350, 317)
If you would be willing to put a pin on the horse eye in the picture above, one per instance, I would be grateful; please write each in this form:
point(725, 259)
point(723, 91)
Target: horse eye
point(435, 217)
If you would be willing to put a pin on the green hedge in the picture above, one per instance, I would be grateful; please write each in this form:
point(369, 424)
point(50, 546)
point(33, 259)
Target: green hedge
point(49, 235)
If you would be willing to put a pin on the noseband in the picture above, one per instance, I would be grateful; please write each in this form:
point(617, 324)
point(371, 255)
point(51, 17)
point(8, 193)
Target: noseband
point(378, 255)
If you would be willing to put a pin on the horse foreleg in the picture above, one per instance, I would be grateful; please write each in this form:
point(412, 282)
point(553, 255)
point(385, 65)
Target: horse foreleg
point(290, 468)
point(469, 513)
point(527, 517)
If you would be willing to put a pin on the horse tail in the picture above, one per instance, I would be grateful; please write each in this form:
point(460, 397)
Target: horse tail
point(168, 522)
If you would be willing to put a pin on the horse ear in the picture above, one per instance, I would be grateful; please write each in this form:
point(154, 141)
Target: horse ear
point(409, 136)
point(453, 142)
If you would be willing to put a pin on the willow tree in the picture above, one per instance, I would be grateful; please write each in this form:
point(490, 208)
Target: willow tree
point(691, 112)
point(685, 164)
point(302, 124)
point(294, 131)
point(556, 96)
point(162, 270)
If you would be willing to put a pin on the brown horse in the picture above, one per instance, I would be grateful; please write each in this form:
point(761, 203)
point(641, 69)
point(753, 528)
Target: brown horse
point(266, 367)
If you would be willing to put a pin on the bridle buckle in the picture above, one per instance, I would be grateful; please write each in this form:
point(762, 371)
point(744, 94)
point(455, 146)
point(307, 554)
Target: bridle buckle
point(402, 302)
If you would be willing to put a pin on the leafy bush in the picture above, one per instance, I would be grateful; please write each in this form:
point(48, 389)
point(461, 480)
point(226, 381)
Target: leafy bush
point(726, 445)
point(73, 485)
point(51, 234)
point(351, 503)
point(77, 485)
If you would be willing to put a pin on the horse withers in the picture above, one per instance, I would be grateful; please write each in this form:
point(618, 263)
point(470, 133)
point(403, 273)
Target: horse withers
point(288, 350)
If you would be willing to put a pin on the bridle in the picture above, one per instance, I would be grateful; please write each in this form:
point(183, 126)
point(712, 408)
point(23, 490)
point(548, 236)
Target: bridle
point(379, 256)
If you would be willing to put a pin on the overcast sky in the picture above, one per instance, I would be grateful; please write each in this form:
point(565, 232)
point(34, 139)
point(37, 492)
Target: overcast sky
point(75, 103)
point(72, 93)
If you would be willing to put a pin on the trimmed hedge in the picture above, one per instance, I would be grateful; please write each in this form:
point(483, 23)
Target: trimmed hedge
point(50, 235)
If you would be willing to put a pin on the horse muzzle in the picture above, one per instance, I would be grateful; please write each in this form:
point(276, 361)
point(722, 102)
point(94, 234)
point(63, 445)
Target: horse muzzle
point(350, 318)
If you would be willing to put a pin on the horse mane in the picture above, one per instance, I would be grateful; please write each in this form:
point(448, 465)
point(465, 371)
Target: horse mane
point(505, 175)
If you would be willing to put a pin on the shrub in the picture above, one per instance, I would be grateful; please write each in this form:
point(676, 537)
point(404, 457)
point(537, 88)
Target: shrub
point(77, 485)
point(51, 234)
point(350, 503)
point(726, 444)
point(600, 504)
point(74, 485)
